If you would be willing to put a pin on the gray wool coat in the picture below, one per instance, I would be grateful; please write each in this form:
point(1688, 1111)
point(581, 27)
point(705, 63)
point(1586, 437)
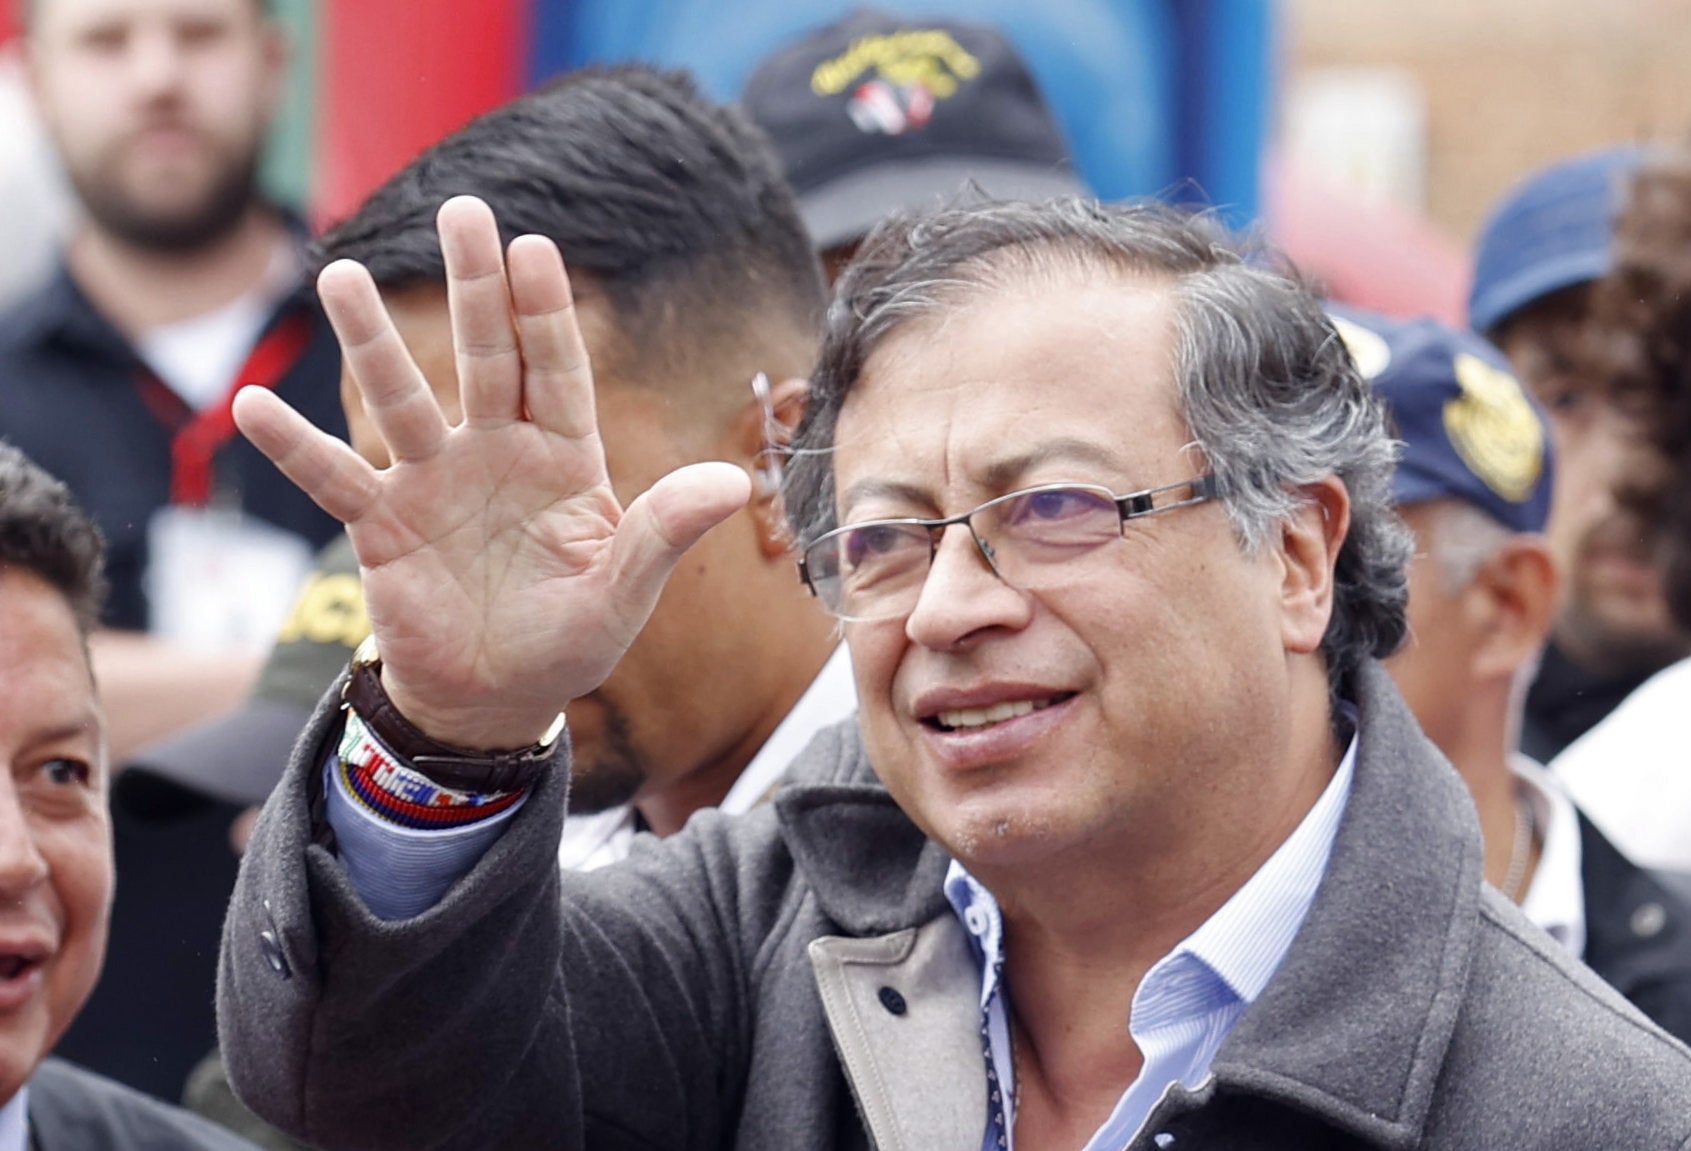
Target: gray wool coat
point(725, 989)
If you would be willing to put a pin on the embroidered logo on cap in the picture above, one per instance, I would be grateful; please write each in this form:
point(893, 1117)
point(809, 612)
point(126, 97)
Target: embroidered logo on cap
point(908, 74)
point(1492, 427)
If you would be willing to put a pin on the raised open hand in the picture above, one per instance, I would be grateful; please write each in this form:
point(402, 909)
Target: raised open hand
point(503, 578)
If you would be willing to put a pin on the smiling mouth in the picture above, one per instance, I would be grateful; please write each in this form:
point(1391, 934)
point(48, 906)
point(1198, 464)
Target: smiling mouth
point(16, 967)
point(976, 718)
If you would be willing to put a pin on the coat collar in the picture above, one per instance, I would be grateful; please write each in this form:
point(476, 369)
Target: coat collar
point(1354, 1025)
point(873, 871)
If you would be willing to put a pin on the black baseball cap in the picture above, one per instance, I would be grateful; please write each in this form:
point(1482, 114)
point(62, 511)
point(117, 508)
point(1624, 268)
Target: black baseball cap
point(875, 113)
point(238, 757)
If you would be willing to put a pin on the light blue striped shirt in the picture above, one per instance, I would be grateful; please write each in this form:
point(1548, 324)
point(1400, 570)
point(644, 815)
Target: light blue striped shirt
point(1191, 997)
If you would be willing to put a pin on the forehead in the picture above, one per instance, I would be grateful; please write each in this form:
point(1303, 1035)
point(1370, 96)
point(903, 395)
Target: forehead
point(1026, 381)
point(68, 15)
point(45, 682)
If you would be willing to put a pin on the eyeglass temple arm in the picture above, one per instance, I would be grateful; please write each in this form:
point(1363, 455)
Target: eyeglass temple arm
point(1145, 503)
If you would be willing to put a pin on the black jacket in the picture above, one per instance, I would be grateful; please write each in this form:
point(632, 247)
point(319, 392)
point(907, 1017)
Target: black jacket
point(75, 1110)
point(1637, 932)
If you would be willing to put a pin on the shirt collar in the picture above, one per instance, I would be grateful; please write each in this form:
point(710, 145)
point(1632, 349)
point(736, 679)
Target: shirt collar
point(1555, 900)
point(14, 1122)
point(1244, 941)
point(592, 841)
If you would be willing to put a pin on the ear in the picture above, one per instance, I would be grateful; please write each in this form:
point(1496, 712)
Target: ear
point(1310, 539)
point(1513, 601)
point(763, 432)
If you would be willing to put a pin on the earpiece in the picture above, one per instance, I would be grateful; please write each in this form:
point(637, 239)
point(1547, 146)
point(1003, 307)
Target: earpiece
point(767, 475)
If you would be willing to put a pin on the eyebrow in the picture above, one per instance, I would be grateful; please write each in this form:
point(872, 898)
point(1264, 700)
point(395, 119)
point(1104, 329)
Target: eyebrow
point(999, 475)
point(88, 727)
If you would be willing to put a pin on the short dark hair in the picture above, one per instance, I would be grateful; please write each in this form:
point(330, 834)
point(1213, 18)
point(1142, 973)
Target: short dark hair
point(675, 206)
point(44, 532)
point(1266, 386)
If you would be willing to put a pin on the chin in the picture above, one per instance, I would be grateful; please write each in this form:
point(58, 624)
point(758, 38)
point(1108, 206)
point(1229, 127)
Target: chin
point(1005, 830)
point(23, 1045)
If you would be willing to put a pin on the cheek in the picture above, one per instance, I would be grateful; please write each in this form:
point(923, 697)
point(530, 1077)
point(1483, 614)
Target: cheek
point(81, 859)
point(81, 862)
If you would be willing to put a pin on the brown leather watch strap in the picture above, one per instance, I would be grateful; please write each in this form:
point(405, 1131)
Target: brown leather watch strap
point(458, 768)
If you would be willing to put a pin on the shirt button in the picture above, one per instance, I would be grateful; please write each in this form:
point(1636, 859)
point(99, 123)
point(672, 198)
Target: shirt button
point(893, 1001)
point(1649, 920)
point(1163, 1139)
point(977, 920)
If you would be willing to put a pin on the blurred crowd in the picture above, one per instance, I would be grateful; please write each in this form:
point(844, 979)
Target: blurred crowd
point(179, 602)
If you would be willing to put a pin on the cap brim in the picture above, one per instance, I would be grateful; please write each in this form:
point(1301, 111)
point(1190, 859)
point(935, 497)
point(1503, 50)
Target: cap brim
point(1496, 302)
point(849, 207)
point(237, 757)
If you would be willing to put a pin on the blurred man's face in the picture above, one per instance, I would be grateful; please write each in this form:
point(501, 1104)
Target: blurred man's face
point(158, 109)
point(683, 696)
point(55, 839)
point(1613, 619)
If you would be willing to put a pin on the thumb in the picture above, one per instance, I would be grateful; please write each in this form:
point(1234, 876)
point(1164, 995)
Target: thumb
point(664, 522)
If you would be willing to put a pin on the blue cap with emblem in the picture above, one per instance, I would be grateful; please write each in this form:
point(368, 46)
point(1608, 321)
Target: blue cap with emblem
point(1550, 231)
point(1469, 430)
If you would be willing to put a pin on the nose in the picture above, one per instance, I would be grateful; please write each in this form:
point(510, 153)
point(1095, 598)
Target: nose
point(963, 595)
point(155, 61)
point(22, 866)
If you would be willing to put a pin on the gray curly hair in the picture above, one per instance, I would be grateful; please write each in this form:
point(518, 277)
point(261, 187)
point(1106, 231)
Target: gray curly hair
point(1267, 388)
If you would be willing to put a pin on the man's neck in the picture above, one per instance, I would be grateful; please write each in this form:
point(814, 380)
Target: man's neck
point(138, 289)
point(667, 805)
point(1481, 758)
point(1079, 942)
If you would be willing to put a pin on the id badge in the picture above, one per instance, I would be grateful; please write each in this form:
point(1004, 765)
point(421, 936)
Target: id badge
point(217, 578)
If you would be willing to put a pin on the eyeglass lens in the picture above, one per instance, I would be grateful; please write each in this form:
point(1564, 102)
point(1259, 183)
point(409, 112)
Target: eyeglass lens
point(876, 570)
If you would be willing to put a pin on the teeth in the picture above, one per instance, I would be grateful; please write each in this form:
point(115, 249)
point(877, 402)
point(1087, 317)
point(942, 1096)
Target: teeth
point(987, 716)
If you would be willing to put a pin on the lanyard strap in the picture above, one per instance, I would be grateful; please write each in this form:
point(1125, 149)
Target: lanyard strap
point(197, 442)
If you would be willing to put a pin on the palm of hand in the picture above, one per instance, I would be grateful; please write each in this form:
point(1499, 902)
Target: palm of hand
point(501, 575)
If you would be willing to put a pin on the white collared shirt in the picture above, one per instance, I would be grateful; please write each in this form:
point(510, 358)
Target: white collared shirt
point(592, 841)
point(1555, 900)
point(1631, 775)
point(1190, 999)
point(14, 1122)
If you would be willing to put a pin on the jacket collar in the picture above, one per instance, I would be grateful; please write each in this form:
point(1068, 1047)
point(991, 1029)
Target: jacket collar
point(1354, 1025)
point(871, 869)
point(60, 311)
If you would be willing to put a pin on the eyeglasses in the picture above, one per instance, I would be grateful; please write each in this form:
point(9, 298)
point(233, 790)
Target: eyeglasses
point(875, 570)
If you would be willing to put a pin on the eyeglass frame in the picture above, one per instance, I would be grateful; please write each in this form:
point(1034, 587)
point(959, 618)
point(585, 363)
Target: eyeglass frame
point(1131, 506)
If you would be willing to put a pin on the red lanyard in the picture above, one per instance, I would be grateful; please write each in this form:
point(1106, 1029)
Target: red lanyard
point(197, 442)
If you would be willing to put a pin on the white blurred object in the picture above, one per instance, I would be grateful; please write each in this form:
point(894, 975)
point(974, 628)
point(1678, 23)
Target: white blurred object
point(32, 188)
point(1363, 129)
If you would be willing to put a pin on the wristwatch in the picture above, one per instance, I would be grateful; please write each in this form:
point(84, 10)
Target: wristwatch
point(450, 766)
